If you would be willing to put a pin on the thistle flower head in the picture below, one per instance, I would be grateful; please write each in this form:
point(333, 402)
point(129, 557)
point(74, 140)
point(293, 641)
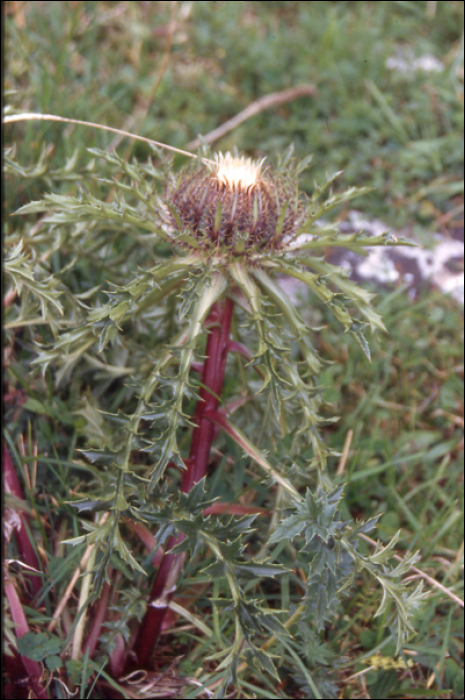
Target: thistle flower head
point(227, 203)
point(238, 173)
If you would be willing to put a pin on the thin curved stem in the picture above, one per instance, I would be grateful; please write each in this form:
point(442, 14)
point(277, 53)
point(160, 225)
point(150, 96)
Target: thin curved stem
point(34, 116)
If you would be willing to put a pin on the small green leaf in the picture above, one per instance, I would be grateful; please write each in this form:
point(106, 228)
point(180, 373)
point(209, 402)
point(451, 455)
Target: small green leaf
point(37, 646)
point(53, 663)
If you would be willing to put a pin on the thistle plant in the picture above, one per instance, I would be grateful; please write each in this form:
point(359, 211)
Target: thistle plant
point(193, 367)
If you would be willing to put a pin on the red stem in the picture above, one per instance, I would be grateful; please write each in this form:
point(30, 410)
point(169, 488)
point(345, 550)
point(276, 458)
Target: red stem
point(25, 548)
point(98, 618)
point(218, 345)
point(32, 669)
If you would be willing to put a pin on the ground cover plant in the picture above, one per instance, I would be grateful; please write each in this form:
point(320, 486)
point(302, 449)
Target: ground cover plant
point(137, 287)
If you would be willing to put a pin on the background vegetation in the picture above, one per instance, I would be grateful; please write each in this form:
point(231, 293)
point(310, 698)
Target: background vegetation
point(170, 71)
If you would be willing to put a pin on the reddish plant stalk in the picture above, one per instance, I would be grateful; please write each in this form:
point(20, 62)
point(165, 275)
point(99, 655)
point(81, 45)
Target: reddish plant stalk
point(25, 548)
point(32, 671)
point(218, 345)
point(98, 618)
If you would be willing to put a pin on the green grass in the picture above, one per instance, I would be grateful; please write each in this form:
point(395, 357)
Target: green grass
point(406, 461)
point(402, 134)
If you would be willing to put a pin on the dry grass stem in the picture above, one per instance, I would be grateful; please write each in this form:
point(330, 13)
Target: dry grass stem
point(69, 589)
point(33, 116)
point(265, 102)
point(345, 452)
